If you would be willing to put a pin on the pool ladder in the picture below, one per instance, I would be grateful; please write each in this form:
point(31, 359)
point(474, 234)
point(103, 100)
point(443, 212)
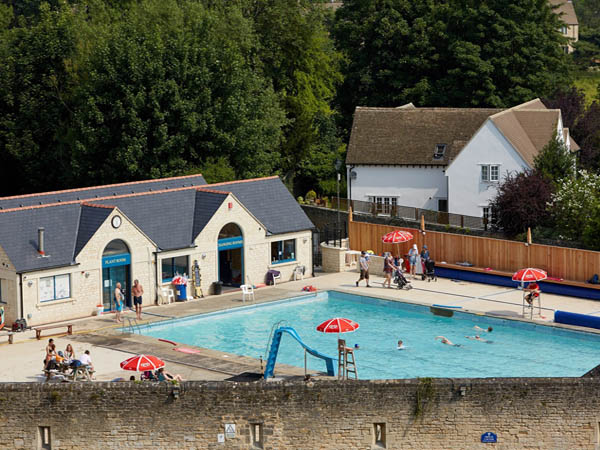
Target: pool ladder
point(132, 326)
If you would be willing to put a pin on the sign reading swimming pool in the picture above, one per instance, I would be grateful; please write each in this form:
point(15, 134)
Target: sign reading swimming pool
point(489, 438)
point(231, 243)
point(116, 260)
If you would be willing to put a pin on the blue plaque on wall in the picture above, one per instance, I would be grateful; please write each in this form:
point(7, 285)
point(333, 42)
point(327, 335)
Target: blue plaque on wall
point(489, 438)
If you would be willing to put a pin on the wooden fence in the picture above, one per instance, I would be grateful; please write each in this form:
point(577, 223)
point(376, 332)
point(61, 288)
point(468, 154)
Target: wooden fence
point(497, 254)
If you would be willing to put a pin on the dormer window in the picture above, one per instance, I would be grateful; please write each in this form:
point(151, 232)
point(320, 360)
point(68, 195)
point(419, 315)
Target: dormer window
point(440, 149)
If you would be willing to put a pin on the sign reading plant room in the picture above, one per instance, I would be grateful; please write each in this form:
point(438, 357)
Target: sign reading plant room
point(116, 260)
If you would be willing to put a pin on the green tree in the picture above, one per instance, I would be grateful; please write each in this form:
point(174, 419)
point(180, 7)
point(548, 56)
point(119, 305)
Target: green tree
point(35, 99)
point(555, 161)
point(462, 53)
point(216, 170)
point(298, 56)
point(168, 85)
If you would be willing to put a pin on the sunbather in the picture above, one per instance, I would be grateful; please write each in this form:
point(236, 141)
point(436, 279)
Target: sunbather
point(166, 376)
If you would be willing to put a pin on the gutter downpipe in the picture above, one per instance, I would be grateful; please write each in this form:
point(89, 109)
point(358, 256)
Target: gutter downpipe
point(20, 314)
point(349, 178)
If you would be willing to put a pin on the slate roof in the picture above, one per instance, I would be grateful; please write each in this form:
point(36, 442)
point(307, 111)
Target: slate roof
point(270, 202)
point(566, 11)
point(87, 193)
point(408, 136)
point(172, 219)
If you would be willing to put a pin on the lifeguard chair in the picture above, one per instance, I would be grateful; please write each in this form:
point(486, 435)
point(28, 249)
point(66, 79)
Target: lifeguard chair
point(535, 296)
point(346, 361)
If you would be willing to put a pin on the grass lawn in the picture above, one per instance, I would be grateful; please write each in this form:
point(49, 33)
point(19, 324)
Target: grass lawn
point(588, 83)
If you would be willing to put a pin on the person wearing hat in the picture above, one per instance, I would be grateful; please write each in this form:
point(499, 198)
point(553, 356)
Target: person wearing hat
point(424, 254)
point(413, 254)
point(364, 268)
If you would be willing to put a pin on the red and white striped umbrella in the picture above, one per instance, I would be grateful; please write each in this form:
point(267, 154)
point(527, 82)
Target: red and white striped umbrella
point(338, 325)
point(142, 363)
point(397, 237)
point(530, 274)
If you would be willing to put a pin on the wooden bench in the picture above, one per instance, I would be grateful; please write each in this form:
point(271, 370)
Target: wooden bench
point(38, 330)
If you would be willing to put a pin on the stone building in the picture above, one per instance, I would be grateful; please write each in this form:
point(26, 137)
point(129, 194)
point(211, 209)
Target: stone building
point(62, 253)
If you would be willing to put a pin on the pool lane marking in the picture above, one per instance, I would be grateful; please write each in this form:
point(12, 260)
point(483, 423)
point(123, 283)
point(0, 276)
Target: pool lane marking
point(471, 297)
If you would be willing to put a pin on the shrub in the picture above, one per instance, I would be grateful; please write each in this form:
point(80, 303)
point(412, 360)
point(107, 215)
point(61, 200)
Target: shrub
point(311, 196)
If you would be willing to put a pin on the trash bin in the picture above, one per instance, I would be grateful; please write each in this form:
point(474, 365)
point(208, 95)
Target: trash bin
point(181, 292)
point(217, 287)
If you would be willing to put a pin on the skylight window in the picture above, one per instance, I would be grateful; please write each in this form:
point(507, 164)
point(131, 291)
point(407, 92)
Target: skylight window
point(440, 149)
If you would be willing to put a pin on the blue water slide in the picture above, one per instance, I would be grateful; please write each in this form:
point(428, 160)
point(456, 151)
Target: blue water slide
point(275, 348)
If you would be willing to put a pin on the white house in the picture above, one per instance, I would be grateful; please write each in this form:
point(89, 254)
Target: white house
point(444, 159)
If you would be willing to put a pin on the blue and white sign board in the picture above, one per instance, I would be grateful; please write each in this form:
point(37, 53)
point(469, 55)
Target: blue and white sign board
point(230, 243)
point(123, 259)
point(489, 438)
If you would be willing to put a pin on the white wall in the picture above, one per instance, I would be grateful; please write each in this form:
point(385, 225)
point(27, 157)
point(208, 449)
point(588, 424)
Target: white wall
point(419, 187)
point(467, 194)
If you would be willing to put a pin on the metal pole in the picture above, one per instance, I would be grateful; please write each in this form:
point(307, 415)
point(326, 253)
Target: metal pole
point(338, 200)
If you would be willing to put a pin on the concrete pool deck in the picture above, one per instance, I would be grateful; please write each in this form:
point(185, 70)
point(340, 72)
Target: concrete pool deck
point(108, 345)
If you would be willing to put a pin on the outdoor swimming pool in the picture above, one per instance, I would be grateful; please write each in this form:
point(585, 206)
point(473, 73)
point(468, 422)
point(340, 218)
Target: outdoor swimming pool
point(517, 350)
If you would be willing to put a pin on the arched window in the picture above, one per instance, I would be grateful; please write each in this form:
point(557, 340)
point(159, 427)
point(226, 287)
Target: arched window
point(115, 247)
point(230, 230)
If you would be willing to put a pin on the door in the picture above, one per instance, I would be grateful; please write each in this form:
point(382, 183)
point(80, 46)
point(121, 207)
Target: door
point(110, 277)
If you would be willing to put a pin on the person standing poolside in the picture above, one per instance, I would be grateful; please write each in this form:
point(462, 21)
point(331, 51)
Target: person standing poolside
point(364, 268)
point(424, 254)
point(413, 253)
point(137, 292)
point(388, 269)
point(118, 303)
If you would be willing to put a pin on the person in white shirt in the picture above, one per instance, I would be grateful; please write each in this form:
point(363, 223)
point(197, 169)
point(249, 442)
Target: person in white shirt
point(86, 359)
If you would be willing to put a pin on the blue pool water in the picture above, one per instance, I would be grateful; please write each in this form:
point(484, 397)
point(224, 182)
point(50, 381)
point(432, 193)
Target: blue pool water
point(518, 349)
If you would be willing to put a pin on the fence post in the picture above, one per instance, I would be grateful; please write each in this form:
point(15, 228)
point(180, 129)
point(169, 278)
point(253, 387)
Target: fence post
point(416, 214)
point(462, 221)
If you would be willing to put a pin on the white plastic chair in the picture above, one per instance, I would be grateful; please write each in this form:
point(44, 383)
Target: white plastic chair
point(275, 278)
point(247, 291)
point(299, 273)
point(168, 295)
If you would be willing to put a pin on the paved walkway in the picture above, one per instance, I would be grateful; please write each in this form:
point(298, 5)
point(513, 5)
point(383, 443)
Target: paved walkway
point(109, 345)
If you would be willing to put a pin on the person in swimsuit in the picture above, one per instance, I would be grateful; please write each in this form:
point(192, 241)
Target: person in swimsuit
point(489, 329)
point(388, 269)
point(446, 341)
point(400, 346)
point(412, 260)
point(477, 338)
point(137, 292)
point(118, 303)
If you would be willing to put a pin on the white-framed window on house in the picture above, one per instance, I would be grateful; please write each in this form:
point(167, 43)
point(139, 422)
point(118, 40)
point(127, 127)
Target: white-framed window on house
point(283, 251)
point(384, 205)
point(490, 173)
point(488, 213)
point(55, 288)
point(563, 29)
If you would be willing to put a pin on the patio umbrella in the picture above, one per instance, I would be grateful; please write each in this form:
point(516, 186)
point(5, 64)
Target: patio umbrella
point(338, 325)
point(530, 274)
point(142, 363)
point(397, 237)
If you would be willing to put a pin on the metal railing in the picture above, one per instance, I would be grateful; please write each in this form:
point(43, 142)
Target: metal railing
point(411, 213)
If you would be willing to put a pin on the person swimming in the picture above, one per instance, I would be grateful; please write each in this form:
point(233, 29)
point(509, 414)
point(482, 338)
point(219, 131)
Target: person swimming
point(447, 341)
point(489, 329)
point(478, 338)
point(401, 346)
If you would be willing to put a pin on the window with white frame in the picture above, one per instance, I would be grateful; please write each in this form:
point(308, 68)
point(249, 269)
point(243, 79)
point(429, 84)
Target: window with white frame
point(488, 213)
point(384, 205)
point(490, 172)
point(440, 149)
point(55, 288)
point(563, 29)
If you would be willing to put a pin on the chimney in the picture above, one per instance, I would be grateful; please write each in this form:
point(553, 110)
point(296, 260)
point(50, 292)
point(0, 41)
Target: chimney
point(41, 250)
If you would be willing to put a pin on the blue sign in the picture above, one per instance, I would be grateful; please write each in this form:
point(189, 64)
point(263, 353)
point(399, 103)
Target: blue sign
point(489, 438)
point(230, 243)
point(123, 259)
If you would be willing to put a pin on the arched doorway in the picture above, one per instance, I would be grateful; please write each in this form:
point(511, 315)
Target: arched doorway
point(231, 255)
point(116, 263)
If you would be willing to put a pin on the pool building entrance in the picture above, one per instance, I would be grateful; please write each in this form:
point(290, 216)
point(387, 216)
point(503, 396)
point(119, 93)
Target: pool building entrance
point(231, 255)
point(116, 268)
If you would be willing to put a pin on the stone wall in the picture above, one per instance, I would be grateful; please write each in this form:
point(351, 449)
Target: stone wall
point(421, 414)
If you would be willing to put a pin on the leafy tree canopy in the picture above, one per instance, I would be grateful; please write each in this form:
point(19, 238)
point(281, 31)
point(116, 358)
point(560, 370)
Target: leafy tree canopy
point(521, 202)
point(461, 53)
point(555, 161)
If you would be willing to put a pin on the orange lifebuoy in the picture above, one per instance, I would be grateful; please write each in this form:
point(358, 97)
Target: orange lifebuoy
point(167, 341)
